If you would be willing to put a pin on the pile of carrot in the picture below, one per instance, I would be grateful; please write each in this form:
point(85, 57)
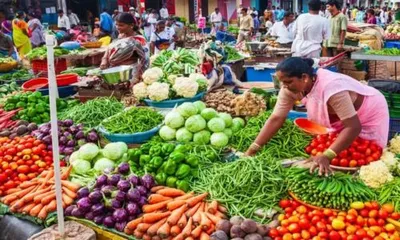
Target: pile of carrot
point(174, 214)
point(37, 197)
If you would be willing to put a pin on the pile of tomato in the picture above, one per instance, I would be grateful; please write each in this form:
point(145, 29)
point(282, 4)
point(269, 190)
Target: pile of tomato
point(22, 159)
point(361, 152)
point(364, 221)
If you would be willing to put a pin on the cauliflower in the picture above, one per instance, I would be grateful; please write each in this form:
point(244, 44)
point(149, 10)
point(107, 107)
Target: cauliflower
point(171, 79)
point(389, 159)
point(197, 76)
point(185, 87)
point(152, 75)
point(375, 174)
point(395, 145)
point(158, 91)
point(140, 90)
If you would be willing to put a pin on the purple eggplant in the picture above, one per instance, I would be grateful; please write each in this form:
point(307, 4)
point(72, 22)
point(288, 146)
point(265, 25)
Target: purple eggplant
point(61, 148)
point(124, 168)
point(120, 196)
point(80, 135)
point(95, 197)
point(71, 143)
point(120, 215)
point(47, 139)
point(77, 212)
point(92, 137)
point(83, 192)
point(114, 179)
point(73, 129)
point(84, 204)
point(68, 123)
point(89, 216)
point(67, 135)
point(148, 181)
point(116, 204)
point(49, 147)
point(68, 150)
point(120, 226)
point(44, 129)
point(63, 140)
point(142, 190)
point(98, 219)
point(68, 210)
point(98, 209)
point(101, 181)
point(132, 208)
point(124, 185)
point(133, 195)
point(109, 222)
point(134, 180)
point(80, 126)
point(107, 190)
point(142, 201)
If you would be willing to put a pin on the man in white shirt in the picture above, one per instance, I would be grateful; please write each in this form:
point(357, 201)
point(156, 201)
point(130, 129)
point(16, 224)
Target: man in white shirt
point(284, 29)
point(310, 29)
point(162, 38)
point(216, 20)
point(239, 13)
point(73, 18)
point(164, 12)
point(63, 21)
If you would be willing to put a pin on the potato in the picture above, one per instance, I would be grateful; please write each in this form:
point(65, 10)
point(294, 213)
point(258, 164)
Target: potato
point(236, 220)
point(237, 239)
point(274, 224)
point(249, 226)
point(263, 230)
point(219, 235)
point(224, 225)
point(253, 236)
point(237, 232)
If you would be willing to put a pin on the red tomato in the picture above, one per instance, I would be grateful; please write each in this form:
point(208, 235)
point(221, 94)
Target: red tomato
point(343, 154)
point(273, 233)
point(34, 168)
point(294, 228)
point(314, 152)
point(3, 177)
point(372, 222)
point(375, 205)
point(42, 146)
point(361, 162)
point(282, 230)
point(383, 214)
point(321, 147)
point(351, 218)
point(23, 169)
point(37, 143)
point(11, 151)
point(284, 203)
point(323, 235)
point(313, 231)
point(344, 162)
point(373, 213)
point(8, 172)
point(395, 216)
point(36, 150)
point(295, 204)
point(353, 163)
point(308, 149)
point(28, 145)
point(356, 155)
point(304, 224)
point(335, 162)
point(9, 184)
point(321, 226)
point(376, 156)
point(381, 222)
point(361, 233)
point(328, 212)
point(315, 220)
point(333, 235)
point(22, 177)
point(305, 235)
point(368, 152)
point(361, 148)
point(289, 210)
point(360, 221)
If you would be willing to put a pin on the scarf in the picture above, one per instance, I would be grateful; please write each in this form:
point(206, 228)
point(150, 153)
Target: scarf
point(6, 27)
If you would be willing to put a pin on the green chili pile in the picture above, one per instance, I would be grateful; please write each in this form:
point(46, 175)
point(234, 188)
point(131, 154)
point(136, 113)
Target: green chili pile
point(244, 186)
point(390, 193)
point(134, 120)
point(289, 142)
point(93, 111)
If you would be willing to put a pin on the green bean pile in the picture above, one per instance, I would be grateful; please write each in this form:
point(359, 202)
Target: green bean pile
point(245, 185)
point(289, 142)
point(92, 112)
point(390, 193)
point(134, 120)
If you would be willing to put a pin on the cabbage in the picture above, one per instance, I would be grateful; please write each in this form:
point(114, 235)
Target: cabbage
point(183, 135)
point(113, 151)
point(102, 164)
point(237, 124)
point(219, 140)
point(81, 166)
point(174, 120)
point(88, 151)
point(202, 137)
point(216, 125)
point(200, 106)
point(228, 132)
point(195, 123)
point(187, 109)
point(227, 119)
point(123, 146)
point(74, 156)
point(167, 133)
point(98, 156)
point(209, 113)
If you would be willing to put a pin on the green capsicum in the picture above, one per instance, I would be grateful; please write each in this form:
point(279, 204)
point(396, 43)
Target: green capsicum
point(171, 182)
point(212, 156)
point(161, 169)
point(193, 160)
point(160, 178)
point(144, 159)
point(156, 162)
point(195, 172)
point(177, 157)
point(181, 148)
point(155, 150)
point(134, 154)
point(170, 167)
point(167, 148)
point(40, 108)
point(183, 171)
point(182, 185)
point(145, 148)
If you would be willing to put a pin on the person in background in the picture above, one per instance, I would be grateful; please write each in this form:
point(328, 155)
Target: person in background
point(104, 38)
point(63, 21)
point(216, 20)
point(346, 11)
point(36, 29)
point(338, 26)
point(162, 38)
point(73, 18)
point(6, 27)
point(389, 16)
point(280, 13)
point(268, 20)
point(164, 12)
point(383, 16)
point(360, 15)
point(224, 36)
point(255, 11)
point(150, 24)
point(310, 30)
point(106, 22)
point(284, 29)
point(256, 23)
point(135, 14)
point(90, 20)
point(97, 29)
point(115, 14)
point(239, 13)
point(7, 46)
point(371, 19)
point(354, 12)
point(21, 34)
point(246, 26)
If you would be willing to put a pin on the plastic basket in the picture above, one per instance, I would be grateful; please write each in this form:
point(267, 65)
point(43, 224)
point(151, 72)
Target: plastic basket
point(40, 66)
point(173, 103)
point(92, 44)
point(295, 114)
point(130, 138)
point(7, 67)
point(63, 92)
point(394, 126)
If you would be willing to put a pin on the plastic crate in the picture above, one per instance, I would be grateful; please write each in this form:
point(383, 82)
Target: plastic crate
point(394, 127)
point(295, 114)
point(254, 74)
point(40, 66)
point(390, 44)
point(63, 92)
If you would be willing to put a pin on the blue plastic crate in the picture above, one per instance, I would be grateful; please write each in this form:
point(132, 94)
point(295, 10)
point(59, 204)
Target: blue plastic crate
point(394, 127)
point(173, 103)
point(63, 92)
point(295, 114)
point(137, 138)
point(392, 44)
point(254, 74)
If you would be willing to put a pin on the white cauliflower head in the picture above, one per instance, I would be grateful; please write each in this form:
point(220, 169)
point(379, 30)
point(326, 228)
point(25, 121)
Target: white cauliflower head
point(395, 145)
point(140, 91)
point(152, 75)
point(171, 79)
point(197, 76)
point(375, 174)
point(389, 158)
point(158, 91)
point(185, 87)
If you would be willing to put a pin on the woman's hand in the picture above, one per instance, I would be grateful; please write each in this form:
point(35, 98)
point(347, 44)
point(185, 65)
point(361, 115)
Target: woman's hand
point(321, 162)
point(250, 152)
point(103, 66)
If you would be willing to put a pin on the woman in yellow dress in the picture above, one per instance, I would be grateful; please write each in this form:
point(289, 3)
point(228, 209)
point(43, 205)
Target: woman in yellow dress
point(21, 34)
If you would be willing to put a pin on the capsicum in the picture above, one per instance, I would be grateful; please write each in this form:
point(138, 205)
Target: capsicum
point(177, 157)
point(183, 171)
point(134, 154)
point(156, 162)
point(160, 178)
point(155, 150)
point(145, 148)
point(182, 185)
point(170, 167)
point(193, 160)
point(144, 159)
point(181, 148)
point(167, 148)
point(171, 182)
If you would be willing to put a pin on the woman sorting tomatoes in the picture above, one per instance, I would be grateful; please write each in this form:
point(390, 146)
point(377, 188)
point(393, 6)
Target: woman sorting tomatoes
point(333, 100)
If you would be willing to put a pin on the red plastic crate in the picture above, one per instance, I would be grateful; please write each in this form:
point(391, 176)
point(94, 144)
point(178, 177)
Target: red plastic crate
point(40, 66)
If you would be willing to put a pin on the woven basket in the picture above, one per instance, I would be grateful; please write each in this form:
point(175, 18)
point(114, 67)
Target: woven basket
point(92, 44)
point(6, 67)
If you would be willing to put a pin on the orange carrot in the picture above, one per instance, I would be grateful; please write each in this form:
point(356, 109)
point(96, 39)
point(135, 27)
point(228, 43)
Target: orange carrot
point(43, 213)
point(176, 215)
point(8, 199)
point(70, 193)
point(156, 188)
point(18, 204)
point(179, 237)
point(128, 231)
point(164, 230)
point(175, 204)
point(211, 229)
point(205, 223)
point(182, 221)
point(158, 238)
point(138, 234)
point(193, 210)
point(204, 236)
point(185, 197)
point(175, 231)
point(52, 206)
point(196, 232)
point(189, 238)
point(70, 185)
point(188, 228)
point(212, 207)
point(39, 198)
point(12, 208)
point(220, 215)
point(194, 200)
point(65, 175)
point(152, 231)
point(155, 207)
point(143, 227)
point(49, 175)
point(171, 192)
point(221, 208)
point(155, 217)
point(146, 237)
point(133, 224)
point(157, 198)
point(67, 200)
point(28, 208)
point(196, 218)
point(46, 200)
point(12, 190)
point(29, 197)
point(214, 219)
point(27, 184)
point(36, 210)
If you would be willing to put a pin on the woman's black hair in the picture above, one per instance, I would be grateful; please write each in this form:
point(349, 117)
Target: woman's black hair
point(296, 66)
point(20, 14)
point(126, 18)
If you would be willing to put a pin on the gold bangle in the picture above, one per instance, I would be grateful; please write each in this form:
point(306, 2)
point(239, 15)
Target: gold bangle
point(255, 146)
point(329, 153)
